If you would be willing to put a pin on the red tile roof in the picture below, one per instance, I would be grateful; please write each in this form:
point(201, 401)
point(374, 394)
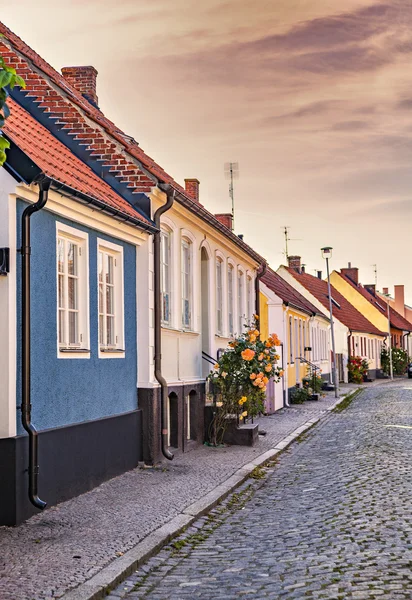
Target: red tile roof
point(396, 319)
point(117, 151)
point(59, 163)
point(288, 294)
point(345, 312)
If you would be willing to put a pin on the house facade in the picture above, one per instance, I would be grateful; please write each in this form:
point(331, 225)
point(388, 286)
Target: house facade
point(303, 330)
point(76, 384)
point(207, 296)
point(397, 302)
point(366, 300)
point(349, 323)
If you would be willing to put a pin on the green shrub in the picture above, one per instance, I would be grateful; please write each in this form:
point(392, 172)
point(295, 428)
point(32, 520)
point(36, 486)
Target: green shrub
point(299, 395)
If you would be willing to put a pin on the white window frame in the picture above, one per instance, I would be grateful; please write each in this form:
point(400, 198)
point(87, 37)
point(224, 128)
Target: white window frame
point(166, 277)
point(117, 350)
point(186, 295)
point(81, 239)
point(219, 295)
point(230, 298)
point(241, 300)
point(249, 296)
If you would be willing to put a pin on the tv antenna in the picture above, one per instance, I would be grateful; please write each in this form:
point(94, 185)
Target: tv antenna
point(375, 270)
point(231, 173)
point(285, 229)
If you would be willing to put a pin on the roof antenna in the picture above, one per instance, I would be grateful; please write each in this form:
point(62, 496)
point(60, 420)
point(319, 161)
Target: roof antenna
point(287, 240)
point(375, 270)
point(231, 173)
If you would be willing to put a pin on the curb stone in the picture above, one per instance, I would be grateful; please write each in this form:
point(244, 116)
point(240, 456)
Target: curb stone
point(97, 587)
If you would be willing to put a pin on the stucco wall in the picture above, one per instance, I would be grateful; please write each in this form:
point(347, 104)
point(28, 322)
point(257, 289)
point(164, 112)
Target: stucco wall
point(67, 391)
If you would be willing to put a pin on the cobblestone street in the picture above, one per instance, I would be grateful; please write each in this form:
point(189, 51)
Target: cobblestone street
point(332, 519)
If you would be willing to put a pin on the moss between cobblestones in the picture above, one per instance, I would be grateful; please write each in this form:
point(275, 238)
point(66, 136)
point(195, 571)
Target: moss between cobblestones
point(347, 400)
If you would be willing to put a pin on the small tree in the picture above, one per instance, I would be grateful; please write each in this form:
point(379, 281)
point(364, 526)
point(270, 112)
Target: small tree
point(8, 80)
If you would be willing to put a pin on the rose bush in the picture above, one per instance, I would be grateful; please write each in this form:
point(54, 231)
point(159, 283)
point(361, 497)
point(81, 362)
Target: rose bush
point(241, 375)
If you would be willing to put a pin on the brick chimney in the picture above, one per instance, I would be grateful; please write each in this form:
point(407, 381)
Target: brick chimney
point(352, 273)
point(371, 288)
point(294, 263)
point(400, 299)
point(84, 80)
point(319, 274)
point(192, 188)
point(385, 291)
point(226, 219)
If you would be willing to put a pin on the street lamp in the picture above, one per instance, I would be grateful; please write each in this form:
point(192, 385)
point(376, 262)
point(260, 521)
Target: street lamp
point(389, 337)
point(327, 254)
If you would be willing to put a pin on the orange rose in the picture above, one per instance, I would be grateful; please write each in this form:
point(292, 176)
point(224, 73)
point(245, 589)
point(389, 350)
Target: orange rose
point(265, 380)
point(248, 354)
point(268, 368)
point(281, 372)
point(261, 356)
point(252, 376)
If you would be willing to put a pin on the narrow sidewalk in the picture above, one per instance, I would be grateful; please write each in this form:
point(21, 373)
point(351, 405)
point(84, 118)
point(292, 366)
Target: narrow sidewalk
point(67, 545)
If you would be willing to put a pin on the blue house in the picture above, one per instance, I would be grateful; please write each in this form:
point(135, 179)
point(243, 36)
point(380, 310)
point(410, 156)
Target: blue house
point(69, 357)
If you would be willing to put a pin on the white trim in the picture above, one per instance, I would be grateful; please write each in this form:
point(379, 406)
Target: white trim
point(82, 238)
point(117, 253)
point(63, 206)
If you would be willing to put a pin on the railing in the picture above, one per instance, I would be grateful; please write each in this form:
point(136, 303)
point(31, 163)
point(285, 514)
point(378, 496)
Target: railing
point(208, 358)
point(313, 370)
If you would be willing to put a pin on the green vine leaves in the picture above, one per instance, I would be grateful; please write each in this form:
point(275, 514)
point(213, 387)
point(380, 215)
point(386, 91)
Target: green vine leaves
point(8, 80)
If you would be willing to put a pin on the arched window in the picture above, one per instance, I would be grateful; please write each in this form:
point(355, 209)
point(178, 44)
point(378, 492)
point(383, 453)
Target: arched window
point(186, 283)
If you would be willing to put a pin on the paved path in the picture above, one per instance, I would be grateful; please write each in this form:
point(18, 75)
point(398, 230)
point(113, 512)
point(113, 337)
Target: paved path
point(332, 519)
point(67, 544)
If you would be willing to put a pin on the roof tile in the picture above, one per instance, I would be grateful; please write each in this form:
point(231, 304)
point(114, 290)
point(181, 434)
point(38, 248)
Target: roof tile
point(344, 311)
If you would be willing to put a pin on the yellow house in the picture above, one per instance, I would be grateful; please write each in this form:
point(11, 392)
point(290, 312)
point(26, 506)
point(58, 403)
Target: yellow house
point(302, 329)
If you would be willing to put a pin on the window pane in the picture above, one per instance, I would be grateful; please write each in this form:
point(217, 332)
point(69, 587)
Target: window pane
point(166, 308)
point(71, 258)
point(62, 337)
point(101, 330)
point(110, 300)
point(73, 327)
point(110, 330)
point(61, 291)
point(100, 297)
point(72, 292)
point(60, 255)
point(110, 268)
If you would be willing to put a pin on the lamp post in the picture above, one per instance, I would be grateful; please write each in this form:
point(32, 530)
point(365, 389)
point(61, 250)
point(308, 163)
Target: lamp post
point(389, 338)
point(327, 254)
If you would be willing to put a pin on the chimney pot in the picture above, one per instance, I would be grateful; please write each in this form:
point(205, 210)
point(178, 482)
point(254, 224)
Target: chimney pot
point(319, 274)
point(192, 188)
point(400, 299)
point(294, 263)
point(349, 265)
point(371, 288)
point(385, 291)
point(226, 219)
point(83, 79)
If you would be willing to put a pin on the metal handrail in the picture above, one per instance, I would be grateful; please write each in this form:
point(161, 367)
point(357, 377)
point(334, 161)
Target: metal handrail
point(208, 358)
point(305, 360)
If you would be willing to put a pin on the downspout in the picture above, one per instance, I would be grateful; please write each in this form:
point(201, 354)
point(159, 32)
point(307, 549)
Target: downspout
point(349, 350)
point(170, 193)
point(405, 342)
point(44, 185)
point(259, 275)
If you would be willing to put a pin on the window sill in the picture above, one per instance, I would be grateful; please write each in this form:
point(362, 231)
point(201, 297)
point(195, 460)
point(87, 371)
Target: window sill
point(112, 350)
point(112, 353)
point(73, 353)
point(75, 350)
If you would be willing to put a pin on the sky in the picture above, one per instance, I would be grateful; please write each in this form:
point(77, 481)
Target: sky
point(312, 98)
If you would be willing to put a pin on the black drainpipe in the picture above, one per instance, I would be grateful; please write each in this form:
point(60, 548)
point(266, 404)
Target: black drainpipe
point(259, 275)
point(170, 192)
point(44, 185)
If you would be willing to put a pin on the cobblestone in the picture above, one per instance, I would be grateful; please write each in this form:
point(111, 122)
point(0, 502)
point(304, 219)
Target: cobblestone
point(66, 545)
point(331, 520)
